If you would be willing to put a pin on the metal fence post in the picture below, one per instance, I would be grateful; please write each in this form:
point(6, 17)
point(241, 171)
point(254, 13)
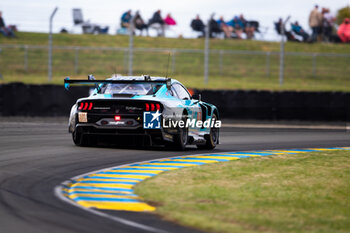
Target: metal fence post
point(26, 58)
point(131, 44)
point(314, 64)
point(282, 51)
point(206, 51)
point(76, 60)
point(268, 61)
point(2, 78)
point(125, 61)
point(50, 45)
point(220, 61)
point(173, 60)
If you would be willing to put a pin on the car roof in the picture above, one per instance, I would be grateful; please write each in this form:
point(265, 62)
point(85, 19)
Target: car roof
point(141, 78)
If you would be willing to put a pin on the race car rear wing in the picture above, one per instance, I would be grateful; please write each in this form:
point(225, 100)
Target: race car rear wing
point(92, 80)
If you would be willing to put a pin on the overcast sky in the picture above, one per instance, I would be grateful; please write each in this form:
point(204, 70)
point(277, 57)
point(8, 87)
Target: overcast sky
point(33, 15)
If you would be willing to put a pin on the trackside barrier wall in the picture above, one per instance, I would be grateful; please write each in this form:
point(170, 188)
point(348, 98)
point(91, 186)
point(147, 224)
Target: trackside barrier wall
point(39, 100)
point(1, 100)
point(287, 105)
point(17, 99)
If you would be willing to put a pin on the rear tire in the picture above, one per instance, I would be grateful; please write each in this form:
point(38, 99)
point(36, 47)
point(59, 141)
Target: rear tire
point(181, 139)
point(80, 139)
point(77, 138)
point(212, 139)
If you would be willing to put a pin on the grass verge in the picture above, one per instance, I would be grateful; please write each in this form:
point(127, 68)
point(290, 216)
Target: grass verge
point(226, 71)
point(294, 193)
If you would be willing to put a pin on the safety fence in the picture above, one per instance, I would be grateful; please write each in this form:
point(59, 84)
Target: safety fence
point(67, 60)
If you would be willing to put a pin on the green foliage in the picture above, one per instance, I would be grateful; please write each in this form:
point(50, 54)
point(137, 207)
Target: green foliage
point(342, 14)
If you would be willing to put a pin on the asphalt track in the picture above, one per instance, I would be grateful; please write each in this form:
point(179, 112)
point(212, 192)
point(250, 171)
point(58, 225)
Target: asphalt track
point(35, 157)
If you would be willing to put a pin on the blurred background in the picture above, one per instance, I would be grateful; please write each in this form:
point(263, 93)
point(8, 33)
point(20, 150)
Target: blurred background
point(245, 45)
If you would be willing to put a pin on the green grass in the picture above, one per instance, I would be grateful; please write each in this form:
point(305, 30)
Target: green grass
point(294, 193)
point(231, 71)
point(152, 42)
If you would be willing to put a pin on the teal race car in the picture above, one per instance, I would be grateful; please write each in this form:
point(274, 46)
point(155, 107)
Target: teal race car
point(152, 110)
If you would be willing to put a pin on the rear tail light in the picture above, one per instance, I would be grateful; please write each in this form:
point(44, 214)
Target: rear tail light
point(85, 106)
point(90, 106)
point(117, 118)
point(152, 107)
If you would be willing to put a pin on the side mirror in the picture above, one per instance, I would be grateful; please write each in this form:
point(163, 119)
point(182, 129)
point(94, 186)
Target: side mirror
point(197, 97)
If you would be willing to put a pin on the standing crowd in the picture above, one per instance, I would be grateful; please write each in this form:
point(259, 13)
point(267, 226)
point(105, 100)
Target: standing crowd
point(323, 28)
point(321, 24)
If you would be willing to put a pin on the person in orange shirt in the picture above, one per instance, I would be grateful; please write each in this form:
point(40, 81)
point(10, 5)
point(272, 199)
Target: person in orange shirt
point(344, 31)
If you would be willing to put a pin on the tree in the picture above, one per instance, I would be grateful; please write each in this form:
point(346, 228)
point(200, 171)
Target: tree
point(342, 14)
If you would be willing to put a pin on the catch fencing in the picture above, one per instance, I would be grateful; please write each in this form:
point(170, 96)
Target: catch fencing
point(32, 60)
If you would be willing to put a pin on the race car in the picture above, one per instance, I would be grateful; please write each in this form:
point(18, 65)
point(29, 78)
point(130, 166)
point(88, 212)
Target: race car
point(158, 110)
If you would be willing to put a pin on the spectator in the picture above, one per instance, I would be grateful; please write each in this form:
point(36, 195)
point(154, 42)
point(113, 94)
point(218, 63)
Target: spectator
point(328, 22)
point(224, 27)
point(288, 34)
point(344, 31)
point(139, 23)
point(169, 20)
point(315, 22)
point(236, 25)
point(248, 27)
point(297, 29)
point(198, 25)
point(125, 19)
point(157, 22)
point(214, 28)
point(6, 31)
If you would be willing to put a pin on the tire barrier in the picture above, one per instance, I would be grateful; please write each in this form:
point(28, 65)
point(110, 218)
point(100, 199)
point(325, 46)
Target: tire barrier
point(18, 99)
point(287, 105)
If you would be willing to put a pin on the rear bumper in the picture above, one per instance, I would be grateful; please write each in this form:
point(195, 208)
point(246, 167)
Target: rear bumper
point(153, 136)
